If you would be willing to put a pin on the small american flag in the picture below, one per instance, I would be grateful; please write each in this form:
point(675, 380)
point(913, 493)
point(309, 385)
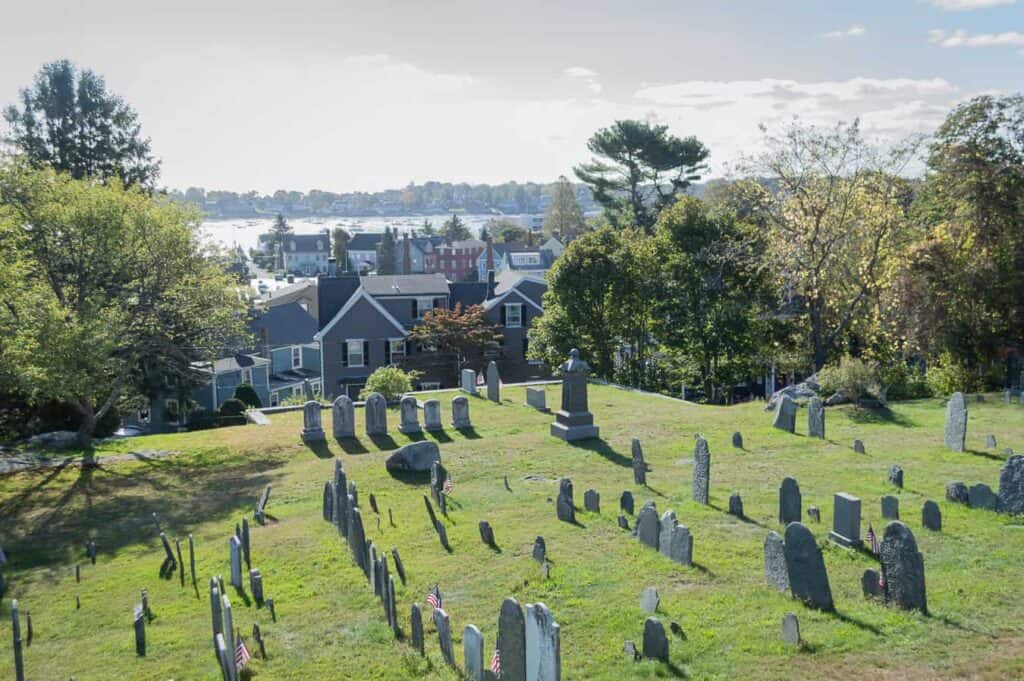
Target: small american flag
point(241, 654)
point(434, 597)
point(496, 663)
point(480, 378)
point(872, 540)
point(449, 486)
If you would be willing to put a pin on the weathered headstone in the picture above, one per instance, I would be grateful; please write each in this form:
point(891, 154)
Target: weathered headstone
point(432, 415)
point(139, 619)
point(896, 475)
point(592, 501)
point(312, 430)
point(343, 418)
point(956, 492)
point(357, 538)
point(245, 544)
point(574, 420)
point(539, 550)
point(982, 496)
point(785, 414)
point(808, 579)
point(623, 522)
point(791, 629)
point(444, 636)
point(902, 568)
point(775, 570)
point(473, 653)
point(701, 470)
point(409, 415)
point(414, 457)
point(399, 565)
point(19, 663)
point(543, 645)
point(639, 465)
point(328, 503)
point(845, 520)
point(737, 440)
point(736, 505)
point(790, 501)
point(1011, 485)
point(564, 507)
point(486, 533)
point(630, 651)
point(373, 504)
point(537, 398)
point(871, 583)
point(416, 627)
point(649, 600)
point(376, 408)
point(816, 418)
point(668, 525)
point(460, 413)
point(256, 586)
point(626, 502)
point(493, 382)
point(931, 516)
point(681, 545)
point(468, 381)
point(956, 422)
point(648, 526)
point(235, 555)
point(655, 645)
point(890, 507)
point(512, 641)
point(858, 447)
point(814, 513)
point(990, 441)
point(442, 535)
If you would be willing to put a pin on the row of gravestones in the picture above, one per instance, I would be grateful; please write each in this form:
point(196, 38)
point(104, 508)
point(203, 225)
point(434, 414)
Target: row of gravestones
point(528, 645)
point(468, 382)
point(1011, 490)
point(343, 417)
point(846, 511)
point(785, 416)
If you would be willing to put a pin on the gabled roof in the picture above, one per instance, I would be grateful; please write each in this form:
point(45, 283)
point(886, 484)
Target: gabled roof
point(514, 289)
point(332, 294)
point(405, 284)
point(305, 243)
point(508, 279)
point(236, 362)
point(360, 294)
point(286, 324)
point(364, 241)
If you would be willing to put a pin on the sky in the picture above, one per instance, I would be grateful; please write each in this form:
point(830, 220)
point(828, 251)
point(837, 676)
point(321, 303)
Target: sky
point(345, 96)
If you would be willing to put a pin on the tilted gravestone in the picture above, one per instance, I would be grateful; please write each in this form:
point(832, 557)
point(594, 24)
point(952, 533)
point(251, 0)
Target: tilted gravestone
point(655, 645)
point(343, 418)
point(414, 457)
point(444, 636)
point(737, 440)
point(902, 568)
point(626, 502)
point(736, 505)
point(816, 418)
point(668, 525)
point(790, 501)
point(574, 420)
point(982, 496)
point(473, 653)
point(537, 398)
point(399, 565)
point(648, 526)
point(791, 629)
point(409, 421)
point(808, 579)
point(701, 471)
point(639, 465)
point(990, 441)
point(890, 507)
point(468, 382)
point(416, 627)
point(845, 520)
point(623, 522)
point(592, 501)
point(896, 475)
point(564, 507)
point(649, 600)
point(871, 583)
point(486, 533)
point(376, 408)
point(328, 504)
point(432, 415)
point(775, 570)
point(543, 645)
point(512, 641)
point(956, 492)
point(785, 414)
point(312, 430)
point(442, 535)
point(931, 516)
point(955, 434)
point(235, 554)
point(493, 382)
point(1011, 485)
point(681, 545)
point(539, 550)
point(460, 413)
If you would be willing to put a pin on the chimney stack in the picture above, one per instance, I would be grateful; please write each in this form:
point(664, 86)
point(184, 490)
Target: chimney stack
point(406, 255)
point(490, 255)
point(332, 266)
point(490, 284)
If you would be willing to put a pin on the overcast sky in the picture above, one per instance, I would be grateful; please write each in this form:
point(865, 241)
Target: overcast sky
point(342, 96)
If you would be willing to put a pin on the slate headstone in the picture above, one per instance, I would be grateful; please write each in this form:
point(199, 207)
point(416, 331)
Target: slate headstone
point(376, 408)
point(416, 627)
point(790, 629)
point(735, 505)
point(639, 465)
point(649, 600)
point(655, 645)
point(737, 440)
point(775, 570)
point(956, 492)
point(626, 502)
point(630, 651)
point(956, 422)
point(982, 496)
point(486, 533)
point(1011, 485)
point(460, 413)
point(235, 556)
point(858, 447)
point(312, 430)
point(256, 586)
point(564, 507)
point(785, 414)
point(539, 550)
point(473, 653)
point(790, 501)
point(808, 579)
point(890, 507)
point(399, 565)
point(493, 382)
point(409, 421)
point(681, 545)
point(543, 645)
point(931, 516)
point(537, 398)
point(592, 501)
point(648, 526)
point(468, 382)
point(623, 522)
point(442, 535)
point(444, 636)
point(328, 503)
point(432, 415)
point(512, 641)
point(140, 633)
point(19, 662)
point(896, 475)
point(845, 520)
point(814, 513)
point(870, 583)
point(816, 418)
point(902, 568)
point(343, 417)
point(667, 526)
point(701, 471)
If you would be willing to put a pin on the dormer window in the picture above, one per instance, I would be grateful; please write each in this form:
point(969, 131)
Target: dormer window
point(513, 315)
point(296, 356)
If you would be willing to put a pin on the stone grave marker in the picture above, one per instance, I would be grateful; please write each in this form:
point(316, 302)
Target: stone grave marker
point(444, 636)
point(328, 503)
point(410, 416)
point(737, 440)
point(376, 408)
point(639, 465)
point(845, 520)
point(681, 545)
point(623, 522)
point(785, 414)
point(312, 430)
point(1011, 485)
point(140, 632)
point(990, 441)
point(816, 418)
point(512, 641)
point(790, 501)
point(667, 526)
point(775, 570)
point(890, 507)
point(574, 420)
point(468, 382)
point(256, 586)
point(564, 507)
point(543, 645)
point(791, 629)
point(902, 568)
point(701, 471)
point(870, 583)
point(630, 651)
point(539, 550)
point(473, 653)
point(432, 415)
point(648, 526)
point(982, 496)
point(735, 505)
point(373, 504)
point(655, 644)
point(957, 492)
point(343, 418)
point(487, 534)
point(808, 579)
point(460, 413)
point(814, 513)
point(858, 447)
point(235, 554)
point(245, 544)
point(592, 501)
point(493, 382)
point(626, 502)
point(955, 434)
point(931, 516)
point(19, 662)
point(896, 475)
point(416, 627)
point(399, 566)
point(414, 457)
point(442, 535)
point(537, 398)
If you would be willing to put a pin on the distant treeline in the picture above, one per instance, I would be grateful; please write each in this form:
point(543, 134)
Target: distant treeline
point(429, 198)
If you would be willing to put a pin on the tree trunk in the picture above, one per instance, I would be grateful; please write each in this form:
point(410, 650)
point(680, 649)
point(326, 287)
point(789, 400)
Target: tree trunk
point(88, 424)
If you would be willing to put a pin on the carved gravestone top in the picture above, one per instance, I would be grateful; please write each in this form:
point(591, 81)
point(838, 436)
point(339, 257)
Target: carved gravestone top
point(902, 568)
point(955, 433)
point(808, 579)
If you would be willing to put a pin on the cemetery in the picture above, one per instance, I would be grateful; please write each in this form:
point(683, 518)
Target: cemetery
point(732, 542)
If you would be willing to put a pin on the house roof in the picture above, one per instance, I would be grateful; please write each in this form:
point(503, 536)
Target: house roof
point(405, 284)
point(284, 379)
point(507, 279)
point(237, 362)
point(307, 242)
point(365, 241)
point(515, 294)
point(360, 294)
point(332, 294)
point(286, 324)
point(467, 293)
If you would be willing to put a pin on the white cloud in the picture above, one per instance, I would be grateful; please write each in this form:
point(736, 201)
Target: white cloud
point(961, 38)
point(968, 5)
point(588, 76)
point(854, 31)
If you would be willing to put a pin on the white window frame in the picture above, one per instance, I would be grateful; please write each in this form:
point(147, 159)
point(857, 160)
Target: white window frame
point(391, 348)
point(275, 399)
point(296, 364)
point(518, 307)
point(362, 359)
point(315, 385)
point(420, 300)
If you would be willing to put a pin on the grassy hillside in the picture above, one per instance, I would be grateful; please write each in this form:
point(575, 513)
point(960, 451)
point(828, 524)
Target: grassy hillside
point(331, 627)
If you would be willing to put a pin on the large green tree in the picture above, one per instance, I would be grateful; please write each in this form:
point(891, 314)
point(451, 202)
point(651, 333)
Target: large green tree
point(564, 217)
point(115, 296)
point(386, 251)
point(454, 229)
point(639, 169)
point(339, 246)
point(68, 120)
point(465, 332)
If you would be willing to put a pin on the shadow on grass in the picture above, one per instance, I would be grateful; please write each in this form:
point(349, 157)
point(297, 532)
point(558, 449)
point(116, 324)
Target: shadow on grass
point(383, 441)
point(321, 449)
point(469, 433)
point(411, 477)
point(439, 435)
point(351, 445)
point(703, 569)
point(244, 597)
point(742, 518)
point(878, 415)
point(602, 448)
point(986, 455)
point(860, 624)
point(415, 436)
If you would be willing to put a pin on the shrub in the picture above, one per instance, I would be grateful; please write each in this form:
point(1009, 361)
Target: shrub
point(948, 374)
point(202, 419)
point(232, 413)
point(852, 377)
point(902, 381)
point(247, 394)
point(391, 382)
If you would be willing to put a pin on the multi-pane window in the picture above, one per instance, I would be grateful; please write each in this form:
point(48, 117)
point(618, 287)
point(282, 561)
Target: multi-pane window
point(355, 353)
point(513, 315)
point(296, 356)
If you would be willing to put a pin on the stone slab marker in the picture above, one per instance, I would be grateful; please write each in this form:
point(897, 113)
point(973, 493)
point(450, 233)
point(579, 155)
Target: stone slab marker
point(328, 503)
point(493, 382)
point(791, 629)
point(902, 568)
point(775, 570)
point(409, 421)
point(785, 414)
point(667, 527)
point(564, 506)
point(681, 545)
point(701, 471)
point(896, 475)
point(460, 413)
point(543, 647)
point(235, 550)
point(357, 539)
point(592, 501)
point(486, 533)
point(737, 440)
point(655, 645)
point(512, 641)
point(468, 382)
point(312, 430)
point(649, 600)
point(540, 550)
point(343, 418)
point(845, 520)
point(574, 420)
point(19, 663)
point(537, 398)
point(955, 434)
point(139, 619)
point(982, 496)
point(432, 415)
point(444, 636)
point(416, 627)
point(816, 418)
point(870, 583)
point(736, 505)
point(858, 447)
point(890, 507)
point(626, 502)
point(256, 585)
point(931, 516)
point(639, 465)
point(473, 653)
point(790, 501)
point(808, 579)
point(376, 408)
point(648, 526)
point(399, 566)
point(1011, 485)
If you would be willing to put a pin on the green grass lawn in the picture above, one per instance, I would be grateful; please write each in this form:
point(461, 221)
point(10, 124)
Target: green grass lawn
point(330, 626)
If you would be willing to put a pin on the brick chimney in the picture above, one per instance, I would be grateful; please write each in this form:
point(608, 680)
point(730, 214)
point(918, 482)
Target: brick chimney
point(332, 266)
point(406, 255)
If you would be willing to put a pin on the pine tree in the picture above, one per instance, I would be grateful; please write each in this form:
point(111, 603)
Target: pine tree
point(564, 216)
point(386, 253)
